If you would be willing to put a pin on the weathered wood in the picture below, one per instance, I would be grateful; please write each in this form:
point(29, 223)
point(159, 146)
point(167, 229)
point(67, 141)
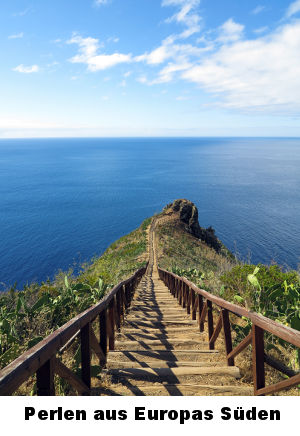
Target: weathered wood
point(122, 304)
point(111, 323)
point(284, 332)
point(103, 334)
point(274, 363)
point(45, 379)
point(69, 343)
point(194, 303)
point(216, 333)
point(70, 377)
point(85, 335)
point(174, 372)
point(258, 358)
point(242, 345)
point(210, 322)
point(227, 336)
point(118, 311)
point(202, 312)
point(17, 372)
point(293, 381)
point(189, 299)
point(96, 347)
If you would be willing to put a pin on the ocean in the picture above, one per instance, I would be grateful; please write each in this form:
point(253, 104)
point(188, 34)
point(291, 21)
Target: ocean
point(64, 201)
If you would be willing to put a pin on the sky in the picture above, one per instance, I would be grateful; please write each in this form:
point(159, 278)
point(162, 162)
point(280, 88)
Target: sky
point(149, 68)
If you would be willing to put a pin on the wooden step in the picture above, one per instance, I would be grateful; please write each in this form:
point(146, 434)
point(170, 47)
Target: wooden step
point(163, 354)
point(157, 374)
point(160, 324)
point(164, 389)
point(169, 344)
point(117, 364)
point(159, 336)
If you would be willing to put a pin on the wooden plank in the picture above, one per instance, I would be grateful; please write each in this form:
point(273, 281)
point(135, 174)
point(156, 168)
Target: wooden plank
point(274, 363)
point(293, 381)
point(96, 347)
point(111, 324)
point(17, 372)
point(216, 332)
point(258, 358)
point(242, 345)
point(210, 322)
point(194, 304)
point(86, 354)
point(174, 372)
point(200, 309)
point(71, 378)
point(284, 332)
point(189, 299)
point(45, 379)
point(227, 336)
point(203, 316)
point(103, 334)
point(118, 310)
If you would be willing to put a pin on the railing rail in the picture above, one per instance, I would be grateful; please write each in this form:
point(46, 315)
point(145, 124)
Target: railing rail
point(197, 300)
point(41, 359)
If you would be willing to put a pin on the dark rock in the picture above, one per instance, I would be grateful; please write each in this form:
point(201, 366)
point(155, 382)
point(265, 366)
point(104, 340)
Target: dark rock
point(188, 214)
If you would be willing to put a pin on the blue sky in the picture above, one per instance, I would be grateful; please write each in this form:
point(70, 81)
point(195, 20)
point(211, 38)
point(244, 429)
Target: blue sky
point(149, 68)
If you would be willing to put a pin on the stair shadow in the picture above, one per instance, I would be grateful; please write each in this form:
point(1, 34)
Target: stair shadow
point(162, 331)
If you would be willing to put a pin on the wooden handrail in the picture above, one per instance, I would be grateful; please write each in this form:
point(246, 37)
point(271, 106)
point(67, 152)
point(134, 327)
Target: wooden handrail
point(260, 324)
point(40, 359)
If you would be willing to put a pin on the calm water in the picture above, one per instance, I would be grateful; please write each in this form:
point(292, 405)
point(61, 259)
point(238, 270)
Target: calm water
point(65, 200)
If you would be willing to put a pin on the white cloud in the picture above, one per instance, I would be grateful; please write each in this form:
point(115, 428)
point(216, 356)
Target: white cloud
point(230, 31)
point(22, 13)
point(258, 9)
point(185, 16)
point(16, 36)
point(142, 79)
point(29, 69)
point(293, 9)
point(101, 2)
point(113, 39)
point(254, 74)
point(169, 50)
point(88, 48)
point(167, 73)
point(261, 30)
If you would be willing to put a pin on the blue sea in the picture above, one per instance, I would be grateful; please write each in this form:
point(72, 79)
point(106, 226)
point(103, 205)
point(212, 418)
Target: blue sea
point(63, 201)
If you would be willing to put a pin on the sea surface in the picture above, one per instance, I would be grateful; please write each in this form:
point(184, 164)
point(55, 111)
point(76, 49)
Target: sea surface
point(63, 201)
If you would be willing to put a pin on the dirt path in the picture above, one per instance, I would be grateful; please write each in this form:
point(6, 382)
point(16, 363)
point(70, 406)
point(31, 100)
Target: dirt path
point(160, 350)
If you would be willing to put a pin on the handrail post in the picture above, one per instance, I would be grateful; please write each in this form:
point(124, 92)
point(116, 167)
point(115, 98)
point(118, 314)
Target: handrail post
point(193, 300)
point(103, 334)
point(227, 336)
point(118, 310)
point(85, 340)
point(45, 379)
point(258, 359)
point(188, 299)
point(210, 322)
point(122, 304)
point(111, 321)
point(200, 308)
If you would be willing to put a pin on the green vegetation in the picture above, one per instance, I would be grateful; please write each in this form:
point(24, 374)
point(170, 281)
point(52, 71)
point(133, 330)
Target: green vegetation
point(27, 316)
point(264, 289)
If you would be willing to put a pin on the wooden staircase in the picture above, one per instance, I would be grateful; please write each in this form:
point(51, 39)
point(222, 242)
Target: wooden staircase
point(160, 351)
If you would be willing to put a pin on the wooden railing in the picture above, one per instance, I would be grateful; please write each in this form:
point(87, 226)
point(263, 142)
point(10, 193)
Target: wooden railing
point(197, 301)
point(42, 359)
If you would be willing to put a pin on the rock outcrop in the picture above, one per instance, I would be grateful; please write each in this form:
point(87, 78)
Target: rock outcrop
point(188, 215)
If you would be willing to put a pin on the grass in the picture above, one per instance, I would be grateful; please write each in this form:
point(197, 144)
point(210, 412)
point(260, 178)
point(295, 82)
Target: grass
point(36, 311)
point(179, 249)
